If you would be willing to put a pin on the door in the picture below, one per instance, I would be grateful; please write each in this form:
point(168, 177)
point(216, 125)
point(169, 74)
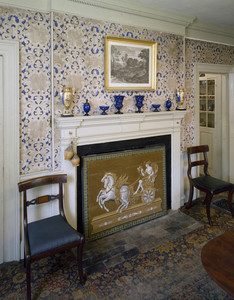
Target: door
point(1, 158)
point(210, 112)
point(9, 151)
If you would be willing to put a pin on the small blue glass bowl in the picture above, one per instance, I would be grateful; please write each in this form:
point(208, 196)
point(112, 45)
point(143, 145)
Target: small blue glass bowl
point(104, 109)
point(156, 107)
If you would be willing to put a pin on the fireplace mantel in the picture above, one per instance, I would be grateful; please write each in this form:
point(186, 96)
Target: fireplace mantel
point(107, 128)
point(118, 127)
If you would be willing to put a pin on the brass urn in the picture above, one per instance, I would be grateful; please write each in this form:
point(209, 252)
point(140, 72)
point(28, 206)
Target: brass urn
point(67, 95)
point(180, 99)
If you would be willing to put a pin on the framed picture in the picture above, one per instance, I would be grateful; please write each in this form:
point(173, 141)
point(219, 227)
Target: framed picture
point(130, 64)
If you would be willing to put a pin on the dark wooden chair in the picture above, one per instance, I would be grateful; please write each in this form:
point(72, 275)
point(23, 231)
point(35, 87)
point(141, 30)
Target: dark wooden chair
point(48, 236)
point(206, 183)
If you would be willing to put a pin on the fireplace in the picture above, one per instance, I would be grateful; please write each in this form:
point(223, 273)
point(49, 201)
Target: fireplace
point(102, 132)
point(122, 184)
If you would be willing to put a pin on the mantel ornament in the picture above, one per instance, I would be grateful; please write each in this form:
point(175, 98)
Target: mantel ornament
point(118, 103)
point(86, 107)
point(70, 153)
point(66, 95)
point(168, 104)
point(180, 99)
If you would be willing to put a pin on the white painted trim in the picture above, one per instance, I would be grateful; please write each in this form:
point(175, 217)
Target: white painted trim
point(10, 52)
point(228, 146)
point(1, 160)
point(225, 126)
point(211, 33)
point(125, 13)
point(231, 125)
point(132, 14)
point(42, 5)
point(206, 68)
point(52, 88)
point(101, 129)
point(212, 68)
point(37, 174)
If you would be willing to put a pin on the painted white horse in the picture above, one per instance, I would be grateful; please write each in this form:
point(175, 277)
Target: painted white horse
point(124, 198)
point(108, 193)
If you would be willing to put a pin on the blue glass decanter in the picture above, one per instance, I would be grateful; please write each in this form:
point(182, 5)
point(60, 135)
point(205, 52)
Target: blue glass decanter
point(139, 103)
point(118, 103)
point(86, 107)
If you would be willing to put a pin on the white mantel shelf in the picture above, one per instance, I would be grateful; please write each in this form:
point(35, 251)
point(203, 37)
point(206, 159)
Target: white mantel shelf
point(116, 127)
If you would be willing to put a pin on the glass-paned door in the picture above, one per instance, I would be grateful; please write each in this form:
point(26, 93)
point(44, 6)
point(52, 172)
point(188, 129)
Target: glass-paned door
point(207, 102)
point(209, 118)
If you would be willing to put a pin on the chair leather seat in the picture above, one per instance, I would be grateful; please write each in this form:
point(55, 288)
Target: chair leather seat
point(50, 233)
point(215, 185)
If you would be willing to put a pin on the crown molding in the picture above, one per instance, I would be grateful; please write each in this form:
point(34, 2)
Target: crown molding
point(41, 5)
point(139, 10)
point(132, 14)
point(124, 12)
point(211, 33)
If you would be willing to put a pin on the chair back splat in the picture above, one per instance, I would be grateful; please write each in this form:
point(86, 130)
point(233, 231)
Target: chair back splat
point(50, 235)
point(205, 183)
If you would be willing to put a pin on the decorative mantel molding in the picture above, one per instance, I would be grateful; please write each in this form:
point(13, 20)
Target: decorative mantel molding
point(107, 128)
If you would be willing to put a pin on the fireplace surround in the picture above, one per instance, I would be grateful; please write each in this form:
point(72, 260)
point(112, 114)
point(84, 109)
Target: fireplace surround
point(122, 184)
point(106, 129)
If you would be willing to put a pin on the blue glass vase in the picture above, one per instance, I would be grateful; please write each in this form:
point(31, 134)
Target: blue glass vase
point(86, 108)
point(118, 103)
point(139, 103)
point(168, 104)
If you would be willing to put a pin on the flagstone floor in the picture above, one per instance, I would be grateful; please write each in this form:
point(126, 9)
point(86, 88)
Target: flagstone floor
point(116, 248)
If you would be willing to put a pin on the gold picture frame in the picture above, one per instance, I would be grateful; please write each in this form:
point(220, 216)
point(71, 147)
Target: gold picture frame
point(130, 64)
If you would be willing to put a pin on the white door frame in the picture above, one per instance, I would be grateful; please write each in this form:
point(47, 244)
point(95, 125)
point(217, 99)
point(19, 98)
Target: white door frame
point(231, 125)
point(227, 131)
point(9, 202)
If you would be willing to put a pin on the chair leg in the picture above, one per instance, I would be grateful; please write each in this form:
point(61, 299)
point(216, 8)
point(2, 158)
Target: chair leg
point(79, 261)
point(208, 201)
point(205, 200)
point(230, 202)
point(28, 279)
point(191, 189)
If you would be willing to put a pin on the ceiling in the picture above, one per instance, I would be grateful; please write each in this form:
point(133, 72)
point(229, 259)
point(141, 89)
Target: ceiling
point(216, 12)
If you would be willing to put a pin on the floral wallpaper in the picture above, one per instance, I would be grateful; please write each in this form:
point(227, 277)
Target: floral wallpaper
point(199, 52)
point(32, 30)
point(77, 50)
point(79, 62)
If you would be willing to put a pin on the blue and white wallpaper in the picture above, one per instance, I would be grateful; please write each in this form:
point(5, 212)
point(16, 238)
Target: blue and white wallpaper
point(77, 50)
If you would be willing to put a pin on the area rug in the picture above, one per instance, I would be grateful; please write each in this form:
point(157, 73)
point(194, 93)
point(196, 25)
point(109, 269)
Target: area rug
point(171, 271)
point(222, 204)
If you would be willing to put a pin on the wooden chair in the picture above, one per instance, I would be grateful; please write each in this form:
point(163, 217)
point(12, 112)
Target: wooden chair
point(49, 235)
point(206, 183)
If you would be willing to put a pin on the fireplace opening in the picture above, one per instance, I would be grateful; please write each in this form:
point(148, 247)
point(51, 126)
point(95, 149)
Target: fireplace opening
point(123, 183)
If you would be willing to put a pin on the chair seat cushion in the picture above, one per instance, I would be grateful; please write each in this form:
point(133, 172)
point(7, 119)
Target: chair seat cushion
point(50, 233)
point(213, 184)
